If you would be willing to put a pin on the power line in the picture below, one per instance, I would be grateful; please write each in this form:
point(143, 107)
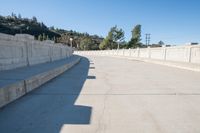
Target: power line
point(148, 38)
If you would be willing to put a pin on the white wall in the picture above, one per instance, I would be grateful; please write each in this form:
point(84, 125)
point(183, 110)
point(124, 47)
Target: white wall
point(195, 55)
point(22, 50)
point(189, 54)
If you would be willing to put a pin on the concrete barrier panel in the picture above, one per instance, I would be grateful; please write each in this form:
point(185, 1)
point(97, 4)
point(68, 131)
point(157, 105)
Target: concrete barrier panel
point(185, 54)
point(134, 52)
point(12, 54)
point(195, 55)
point(180, 54)
point(56, 53)
point(157, 53)
point(11, 92)
point(144, 53)
point(38, 53)
point(120, 52)
point(22, 50)
point(126, 52)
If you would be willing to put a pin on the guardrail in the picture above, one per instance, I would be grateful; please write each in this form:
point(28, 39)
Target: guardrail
point(187, 54)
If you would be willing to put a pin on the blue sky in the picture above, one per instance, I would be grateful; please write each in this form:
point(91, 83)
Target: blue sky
point(172, 21)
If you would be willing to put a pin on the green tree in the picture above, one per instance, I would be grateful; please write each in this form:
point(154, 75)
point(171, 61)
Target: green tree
point(86, 44)
point(52, 28)
point(44, 37)
point(40, 38)
point(34, 19)
point(54, 38)
point(95, 46)
point(104, 44)
point(19, 16)
point(161, 43)
point(136, 37)
point(114, 37)
point(13, 15)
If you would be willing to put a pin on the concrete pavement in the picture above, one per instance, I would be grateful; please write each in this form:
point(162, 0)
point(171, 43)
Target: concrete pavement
point(110, 95)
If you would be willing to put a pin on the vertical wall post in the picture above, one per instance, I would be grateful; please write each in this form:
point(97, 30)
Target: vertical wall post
point(190, 54)
point(51, 53)
point(117, 52)
point(165, 52)
point(149, 52)
point(27, 53)
point(138, 50)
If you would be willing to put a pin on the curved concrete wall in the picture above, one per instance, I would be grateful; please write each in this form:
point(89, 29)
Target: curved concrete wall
point(22, 50)
point(188, 54)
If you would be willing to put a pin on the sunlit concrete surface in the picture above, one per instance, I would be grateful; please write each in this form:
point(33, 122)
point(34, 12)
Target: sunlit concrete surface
point(110, 95)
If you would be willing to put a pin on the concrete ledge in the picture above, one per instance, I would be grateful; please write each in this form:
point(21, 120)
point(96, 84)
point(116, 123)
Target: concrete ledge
point(17, 89)
point(11, 92)
point(39, 79)
point(181, 65)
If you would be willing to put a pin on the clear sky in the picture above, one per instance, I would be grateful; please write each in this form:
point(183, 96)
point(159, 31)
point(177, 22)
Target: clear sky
point(172, 21)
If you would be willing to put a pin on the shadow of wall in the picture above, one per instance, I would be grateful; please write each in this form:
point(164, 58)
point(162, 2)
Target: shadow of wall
point(48, 108)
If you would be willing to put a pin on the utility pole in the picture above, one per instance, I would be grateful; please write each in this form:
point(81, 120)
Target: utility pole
point(148, 38)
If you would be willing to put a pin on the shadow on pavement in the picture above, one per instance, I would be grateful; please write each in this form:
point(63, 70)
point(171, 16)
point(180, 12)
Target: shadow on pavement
point(92, 67)
point(48, 108)
point(91, 77)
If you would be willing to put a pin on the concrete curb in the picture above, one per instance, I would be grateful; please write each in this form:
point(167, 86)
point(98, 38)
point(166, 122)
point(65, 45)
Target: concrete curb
point(180, 65)
point(195, 68)
point(11, 92)
point(16, 90)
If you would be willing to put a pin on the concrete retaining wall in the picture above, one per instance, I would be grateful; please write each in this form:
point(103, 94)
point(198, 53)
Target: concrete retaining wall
point(22, 50)
point(187, 54)
point(15, 90)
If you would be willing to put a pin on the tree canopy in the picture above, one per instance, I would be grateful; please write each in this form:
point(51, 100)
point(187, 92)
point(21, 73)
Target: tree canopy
point(86, 43)
point(14, 24)
point(115, 35)
point(136, 37)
